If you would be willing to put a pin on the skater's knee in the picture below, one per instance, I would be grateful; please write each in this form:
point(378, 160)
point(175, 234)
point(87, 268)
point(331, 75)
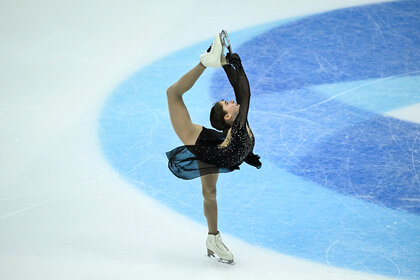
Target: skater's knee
point(171, 91)
point(209, 192)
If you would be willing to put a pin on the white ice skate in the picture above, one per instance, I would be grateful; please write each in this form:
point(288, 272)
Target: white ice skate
point(212, 58)
point(215, 246)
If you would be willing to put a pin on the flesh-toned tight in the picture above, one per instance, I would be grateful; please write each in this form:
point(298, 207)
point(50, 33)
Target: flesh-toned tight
point(188, 132)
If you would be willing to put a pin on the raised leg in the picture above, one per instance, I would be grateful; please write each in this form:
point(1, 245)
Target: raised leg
point(181, 121)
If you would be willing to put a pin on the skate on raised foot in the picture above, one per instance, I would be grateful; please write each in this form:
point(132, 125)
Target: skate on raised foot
point(212, 58)
point(215, 246)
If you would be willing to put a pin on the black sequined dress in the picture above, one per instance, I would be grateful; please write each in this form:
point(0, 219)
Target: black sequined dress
point(211, 153)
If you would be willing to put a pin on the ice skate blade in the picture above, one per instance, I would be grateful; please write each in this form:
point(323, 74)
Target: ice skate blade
point(211, 256)
point(224, 38)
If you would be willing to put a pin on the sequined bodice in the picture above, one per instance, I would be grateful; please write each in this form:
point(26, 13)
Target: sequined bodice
point(208, 146)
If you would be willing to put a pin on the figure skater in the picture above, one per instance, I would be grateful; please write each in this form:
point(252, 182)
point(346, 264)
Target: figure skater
point(207, 152)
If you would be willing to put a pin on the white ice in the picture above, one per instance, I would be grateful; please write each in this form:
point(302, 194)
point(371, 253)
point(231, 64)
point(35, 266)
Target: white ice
point(64, 212)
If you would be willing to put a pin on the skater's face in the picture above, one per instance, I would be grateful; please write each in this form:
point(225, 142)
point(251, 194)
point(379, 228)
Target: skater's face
point(231, 109)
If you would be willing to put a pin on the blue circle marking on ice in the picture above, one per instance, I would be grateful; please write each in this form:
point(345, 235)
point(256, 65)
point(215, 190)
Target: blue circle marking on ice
point(368, 56)
point(339, 183)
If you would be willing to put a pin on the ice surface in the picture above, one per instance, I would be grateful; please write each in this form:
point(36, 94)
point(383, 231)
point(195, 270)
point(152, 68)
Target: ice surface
point(64, 212)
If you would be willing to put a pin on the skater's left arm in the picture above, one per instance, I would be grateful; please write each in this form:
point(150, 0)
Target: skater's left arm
point(239, 81)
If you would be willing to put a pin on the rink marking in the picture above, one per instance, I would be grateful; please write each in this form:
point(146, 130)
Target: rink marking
point(24, 196)
point(355, 88)
point(411, 199)
point(28, 208)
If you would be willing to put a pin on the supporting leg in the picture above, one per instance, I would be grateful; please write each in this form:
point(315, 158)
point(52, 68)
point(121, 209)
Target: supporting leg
point(208, 183)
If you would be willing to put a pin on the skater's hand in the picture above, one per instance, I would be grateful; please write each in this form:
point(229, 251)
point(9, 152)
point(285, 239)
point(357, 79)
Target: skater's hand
point(223, 60)
point(233, 59)
point(233, 56)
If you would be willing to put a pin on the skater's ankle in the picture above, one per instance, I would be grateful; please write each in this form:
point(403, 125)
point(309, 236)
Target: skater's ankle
point(202, 65)
point(212, 233)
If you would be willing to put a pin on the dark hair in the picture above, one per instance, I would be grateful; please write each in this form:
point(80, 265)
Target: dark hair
point(217, 117)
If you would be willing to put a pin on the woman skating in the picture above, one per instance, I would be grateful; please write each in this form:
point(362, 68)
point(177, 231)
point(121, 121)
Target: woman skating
point(207, 152)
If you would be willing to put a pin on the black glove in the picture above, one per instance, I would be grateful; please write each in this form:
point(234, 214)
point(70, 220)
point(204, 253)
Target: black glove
point(233, 59)
point(253, 160)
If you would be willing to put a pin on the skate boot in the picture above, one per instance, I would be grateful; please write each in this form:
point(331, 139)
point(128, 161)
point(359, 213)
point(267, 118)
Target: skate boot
point(215, 245)
point(212, 57)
